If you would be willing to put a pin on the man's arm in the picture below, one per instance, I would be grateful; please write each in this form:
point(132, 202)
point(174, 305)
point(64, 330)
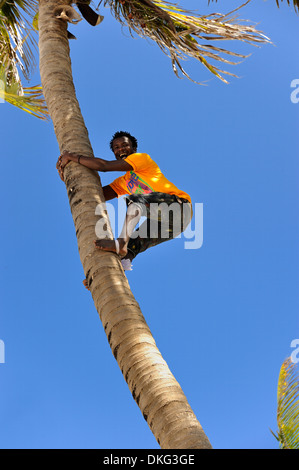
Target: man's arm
point(109, 193)
point(97, 164)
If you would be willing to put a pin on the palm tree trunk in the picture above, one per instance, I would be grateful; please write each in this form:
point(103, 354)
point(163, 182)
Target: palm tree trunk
point(157, 393)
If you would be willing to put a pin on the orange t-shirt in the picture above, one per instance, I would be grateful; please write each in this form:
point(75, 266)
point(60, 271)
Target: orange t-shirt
point(146, 177)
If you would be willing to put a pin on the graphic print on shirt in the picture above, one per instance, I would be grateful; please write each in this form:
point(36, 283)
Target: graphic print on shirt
point(136, 185)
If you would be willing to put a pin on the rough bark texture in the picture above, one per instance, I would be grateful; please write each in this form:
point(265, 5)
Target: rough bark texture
point(155, 390)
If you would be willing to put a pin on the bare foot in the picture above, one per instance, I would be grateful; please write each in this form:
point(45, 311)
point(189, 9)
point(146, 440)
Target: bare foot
point(109, 245)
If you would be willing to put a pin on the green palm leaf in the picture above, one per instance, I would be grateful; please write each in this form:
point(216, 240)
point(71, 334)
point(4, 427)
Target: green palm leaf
point(17, 45)
point(288, 406)
point(29, 99)
point(15, 17)
point(177, 31)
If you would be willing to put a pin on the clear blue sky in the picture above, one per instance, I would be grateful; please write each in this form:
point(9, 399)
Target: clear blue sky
point(223, 315)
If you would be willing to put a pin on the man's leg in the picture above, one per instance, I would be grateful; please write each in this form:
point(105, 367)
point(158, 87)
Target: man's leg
point(120, 246)
point(167, 216)
point(151, 233)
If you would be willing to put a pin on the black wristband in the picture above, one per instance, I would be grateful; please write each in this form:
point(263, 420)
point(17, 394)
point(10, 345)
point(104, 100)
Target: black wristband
point(79, 158)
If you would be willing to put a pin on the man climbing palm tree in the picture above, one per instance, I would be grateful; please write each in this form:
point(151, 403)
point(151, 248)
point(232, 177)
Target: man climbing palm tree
point(167, 209)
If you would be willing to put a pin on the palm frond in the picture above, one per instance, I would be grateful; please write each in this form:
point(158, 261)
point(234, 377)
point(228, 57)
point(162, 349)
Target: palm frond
point(177, 31)
point(288, 406)
point(29, 99)
point(295, 3)
point(17, 45)
point(16, 17)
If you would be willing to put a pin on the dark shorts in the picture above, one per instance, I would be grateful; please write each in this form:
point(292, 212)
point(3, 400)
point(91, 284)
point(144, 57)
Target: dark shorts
point(166, 217)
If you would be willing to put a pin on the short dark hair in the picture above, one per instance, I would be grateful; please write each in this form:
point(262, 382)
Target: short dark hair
point(119, 134)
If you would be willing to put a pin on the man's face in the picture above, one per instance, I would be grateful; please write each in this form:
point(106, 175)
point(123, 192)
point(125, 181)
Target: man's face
point(122, 148)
